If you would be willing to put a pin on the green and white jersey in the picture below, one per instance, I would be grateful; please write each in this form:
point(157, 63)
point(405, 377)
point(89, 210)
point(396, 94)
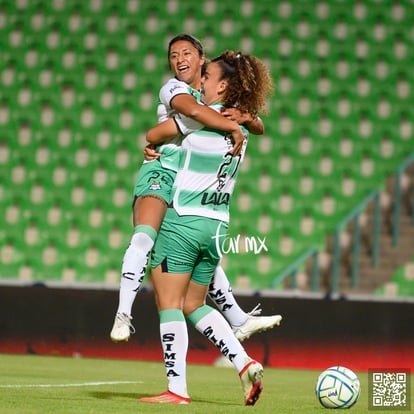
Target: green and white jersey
point(170, 150)
point(207, 174)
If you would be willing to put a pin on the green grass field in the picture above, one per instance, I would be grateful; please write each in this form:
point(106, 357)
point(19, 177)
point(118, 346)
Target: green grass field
point(42, 384)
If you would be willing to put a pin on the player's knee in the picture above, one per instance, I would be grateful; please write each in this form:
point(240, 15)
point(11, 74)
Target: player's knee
point(191, 306)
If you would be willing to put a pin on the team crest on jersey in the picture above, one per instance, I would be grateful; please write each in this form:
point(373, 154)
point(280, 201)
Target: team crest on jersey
point(156, 185)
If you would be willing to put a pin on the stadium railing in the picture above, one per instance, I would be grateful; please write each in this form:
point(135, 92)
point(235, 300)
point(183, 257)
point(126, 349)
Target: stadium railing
point(354, 216)
point(294, 267)
point(313, 252)
point(409, 161)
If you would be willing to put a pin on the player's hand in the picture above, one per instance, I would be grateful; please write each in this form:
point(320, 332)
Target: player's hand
point(252, 123)
point(238, 140)
point(236, 115)
point(150, 154)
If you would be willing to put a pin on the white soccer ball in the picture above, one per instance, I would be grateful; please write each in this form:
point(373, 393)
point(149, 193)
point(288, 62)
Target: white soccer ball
point(338, 387)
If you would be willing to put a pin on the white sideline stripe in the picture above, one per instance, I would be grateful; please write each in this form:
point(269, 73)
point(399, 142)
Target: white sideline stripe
point(83, 384)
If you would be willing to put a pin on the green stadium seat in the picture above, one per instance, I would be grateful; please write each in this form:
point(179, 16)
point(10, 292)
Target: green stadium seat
point(246, 204)
point(6, 17)
point(404, 280)
point(328, 207)
point(250, 271)
point(403, 130)
point(9, 75)
point(12, 257)
point(49, 263)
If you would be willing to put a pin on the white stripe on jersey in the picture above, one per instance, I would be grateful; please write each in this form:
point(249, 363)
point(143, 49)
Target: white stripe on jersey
point(171, 149)
point(207, 174)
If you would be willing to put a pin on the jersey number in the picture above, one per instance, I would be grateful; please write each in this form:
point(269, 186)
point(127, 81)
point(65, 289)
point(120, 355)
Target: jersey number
point(227, 169)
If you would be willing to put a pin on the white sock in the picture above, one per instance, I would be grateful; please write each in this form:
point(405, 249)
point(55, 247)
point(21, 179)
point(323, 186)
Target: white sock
point(221, 294)
point(174, 341)
point(133, 270)
point(213, 326)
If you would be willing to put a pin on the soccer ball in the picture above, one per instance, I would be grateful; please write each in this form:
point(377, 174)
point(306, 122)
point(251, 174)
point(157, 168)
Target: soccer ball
point(337, 387)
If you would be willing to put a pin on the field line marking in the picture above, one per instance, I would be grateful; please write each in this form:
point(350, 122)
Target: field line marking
point(82, 384)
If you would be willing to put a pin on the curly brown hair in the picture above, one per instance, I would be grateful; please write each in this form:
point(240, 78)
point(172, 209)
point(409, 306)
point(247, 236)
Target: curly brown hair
point(249, 81)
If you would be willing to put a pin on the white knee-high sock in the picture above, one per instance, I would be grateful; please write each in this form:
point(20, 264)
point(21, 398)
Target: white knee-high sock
point(213, 326)
point(134, 266)
point(221, 294)
point(174, 341)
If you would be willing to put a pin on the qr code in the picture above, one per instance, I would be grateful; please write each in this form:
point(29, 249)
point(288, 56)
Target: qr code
point(390, 390)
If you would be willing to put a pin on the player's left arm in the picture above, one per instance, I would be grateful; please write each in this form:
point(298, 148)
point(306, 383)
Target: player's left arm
point(162, 131)
point(253, 124)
